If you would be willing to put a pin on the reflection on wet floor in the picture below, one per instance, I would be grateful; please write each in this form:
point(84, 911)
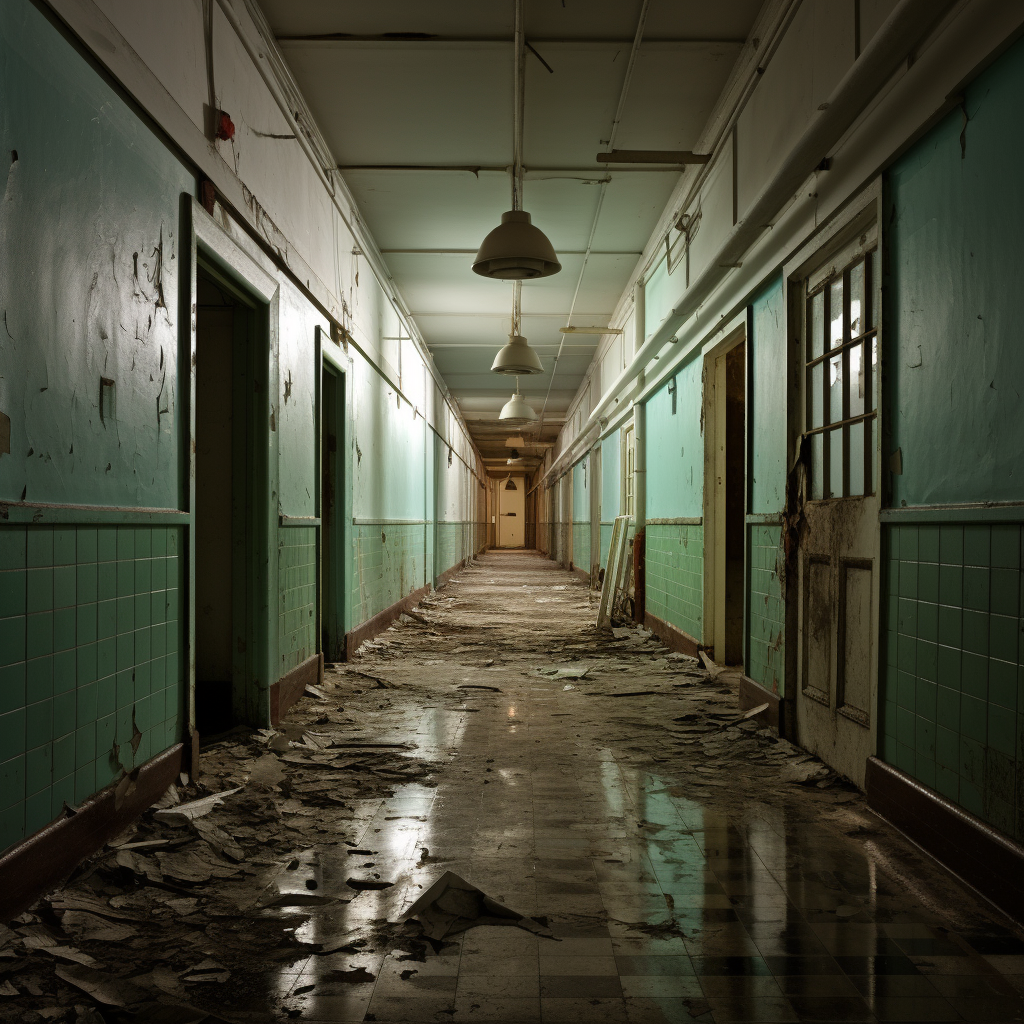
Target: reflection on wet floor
point(664, 907)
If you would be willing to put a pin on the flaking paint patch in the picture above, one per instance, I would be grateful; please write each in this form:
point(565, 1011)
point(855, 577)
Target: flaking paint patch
point(5, 434)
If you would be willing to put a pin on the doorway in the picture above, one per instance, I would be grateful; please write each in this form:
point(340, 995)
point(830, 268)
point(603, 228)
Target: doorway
point(332, 519)
point(725, 499)
point(512, 512)
point(227, 499)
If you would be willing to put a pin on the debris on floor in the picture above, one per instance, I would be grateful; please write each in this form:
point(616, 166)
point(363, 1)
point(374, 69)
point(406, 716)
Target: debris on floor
point(451, 905)
point(326, 859)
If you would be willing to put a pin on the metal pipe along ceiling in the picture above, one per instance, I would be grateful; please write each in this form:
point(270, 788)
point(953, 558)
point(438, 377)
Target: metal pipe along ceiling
point(637, 38)
point(910, 22)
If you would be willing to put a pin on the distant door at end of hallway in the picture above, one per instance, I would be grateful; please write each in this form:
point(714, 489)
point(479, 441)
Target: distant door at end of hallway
point(512, 512)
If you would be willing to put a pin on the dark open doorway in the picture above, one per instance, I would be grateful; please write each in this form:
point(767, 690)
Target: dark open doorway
point(226, 499)
point(332, 520)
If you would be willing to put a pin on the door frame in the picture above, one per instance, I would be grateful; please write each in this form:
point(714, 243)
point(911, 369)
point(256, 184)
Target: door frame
point(332, 591)
point(861, 212)
point(714, 611)
point(208, 242)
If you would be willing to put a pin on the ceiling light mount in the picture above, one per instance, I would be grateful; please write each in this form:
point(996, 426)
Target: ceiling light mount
point(517, 250)
point(516, 411)
point(517, 357)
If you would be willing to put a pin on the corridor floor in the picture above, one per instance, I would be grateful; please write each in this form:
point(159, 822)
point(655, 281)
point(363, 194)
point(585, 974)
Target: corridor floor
point(571, 782)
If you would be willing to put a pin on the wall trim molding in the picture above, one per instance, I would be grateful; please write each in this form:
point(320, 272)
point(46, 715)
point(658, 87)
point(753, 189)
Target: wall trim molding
point(986, 860)
point(994, 511)
point(675, 521)
point(34, 513)
point(673, 637)
point(753, 694)
point(43, 860)
point(289, 689)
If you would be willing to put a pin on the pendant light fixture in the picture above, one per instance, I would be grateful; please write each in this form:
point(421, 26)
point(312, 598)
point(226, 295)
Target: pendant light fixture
point(516, 411)
point(517, 357)
point(516, 250)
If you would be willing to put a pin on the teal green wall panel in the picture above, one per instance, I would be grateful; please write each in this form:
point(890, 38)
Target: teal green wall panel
point(581, 483)
point(766, 409)
point(953, 222)
point(296, 421)
point(91, 649)
point(454, 543)
point(674, 575)
point(660, 294)
point(675, 447)
point(952, 688)
point(391, 451)
point(388, 564)
point(766, 612)
point(297, 640)
point(91, 216)
point(611, 489)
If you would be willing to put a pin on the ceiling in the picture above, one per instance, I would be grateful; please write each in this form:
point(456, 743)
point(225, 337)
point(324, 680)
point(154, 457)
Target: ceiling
point(430, 85)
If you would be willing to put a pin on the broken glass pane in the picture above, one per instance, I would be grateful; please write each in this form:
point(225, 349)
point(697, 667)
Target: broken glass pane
point(816, 328)
point(857, 300)
point(836, 313)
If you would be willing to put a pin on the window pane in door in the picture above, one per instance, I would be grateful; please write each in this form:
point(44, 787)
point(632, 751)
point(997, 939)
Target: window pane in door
point(873, 388)
point(816, 328)
point(836, 313)
point(856, 379)
point(857, 458)
point(815, 396)
point(857, 300)
point(817, 465)
point(835, 388)
point(835, 463)
point(876, 289)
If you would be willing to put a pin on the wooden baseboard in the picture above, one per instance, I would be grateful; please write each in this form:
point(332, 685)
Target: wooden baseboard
point(985, 859)
point(753, 695)
point(582, 573)
point(291, 686)
point(449, 573)
point(671, 637)
point(43, 860)
point(371, 627)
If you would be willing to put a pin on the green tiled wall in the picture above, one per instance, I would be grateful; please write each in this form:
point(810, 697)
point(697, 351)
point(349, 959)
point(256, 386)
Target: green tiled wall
point(674, 573)
point(91, 638)
point(606, 543)
point(297, 580)
point(581, 546)
point(454, 540)
point(952, 692)
point(388, 564)
point(766, 614)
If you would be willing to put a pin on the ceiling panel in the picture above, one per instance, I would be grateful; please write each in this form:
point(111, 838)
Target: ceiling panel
point(471, 19)
point(445, 98)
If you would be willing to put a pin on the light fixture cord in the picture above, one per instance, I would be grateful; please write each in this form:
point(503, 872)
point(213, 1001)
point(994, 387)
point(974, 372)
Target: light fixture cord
point(517, 308)
point(519, 56)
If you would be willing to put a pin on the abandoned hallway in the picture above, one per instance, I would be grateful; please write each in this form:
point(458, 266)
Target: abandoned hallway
point(511, 510)
point(679, 863)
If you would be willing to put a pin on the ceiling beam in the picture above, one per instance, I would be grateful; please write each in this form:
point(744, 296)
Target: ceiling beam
point(496, 169)
point(504, 316)
point(405, 38)
point(472, 252)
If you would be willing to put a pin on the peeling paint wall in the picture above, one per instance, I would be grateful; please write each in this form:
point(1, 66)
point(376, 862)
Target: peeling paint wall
point(611, 490)
point(94, 623)
point(581, 484)
point(952, 687)
point(92, 637)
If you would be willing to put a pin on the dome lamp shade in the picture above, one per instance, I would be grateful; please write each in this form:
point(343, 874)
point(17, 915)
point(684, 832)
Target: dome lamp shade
point(517, 358)
point(516, 250)
point(516, 410)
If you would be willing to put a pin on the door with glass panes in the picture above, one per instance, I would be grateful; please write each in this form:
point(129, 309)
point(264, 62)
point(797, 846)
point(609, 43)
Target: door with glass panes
point(838, 558)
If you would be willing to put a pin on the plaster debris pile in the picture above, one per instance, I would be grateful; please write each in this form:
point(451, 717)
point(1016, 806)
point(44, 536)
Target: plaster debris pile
point(305, 844)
